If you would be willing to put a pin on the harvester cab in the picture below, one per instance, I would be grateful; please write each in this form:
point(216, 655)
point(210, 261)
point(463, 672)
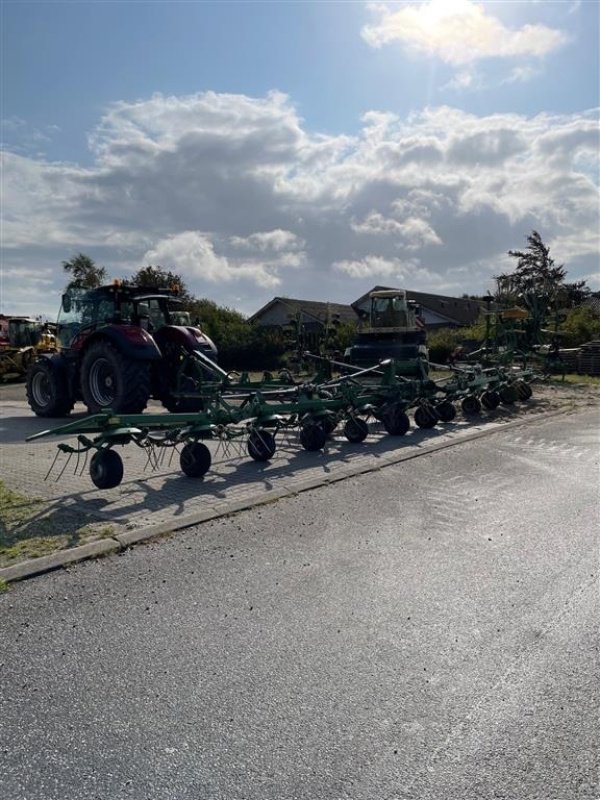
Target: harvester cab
point(392, 328)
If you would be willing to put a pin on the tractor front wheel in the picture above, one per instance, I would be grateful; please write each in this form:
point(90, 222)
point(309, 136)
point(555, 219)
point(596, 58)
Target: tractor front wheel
point(110, 380)
point(48, 390)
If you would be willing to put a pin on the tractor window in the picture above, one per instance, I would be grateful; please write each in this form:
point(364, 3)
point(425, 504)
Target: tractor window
point(155, 313)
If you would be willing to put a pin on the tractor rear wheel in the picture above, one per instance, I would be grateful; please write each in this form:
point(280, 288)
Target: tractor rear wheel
point(110, 380)
point(106, 469)
point(356, 430)
point(48, 390)
point(195, 459)
point(261, 445)
point(395, 420)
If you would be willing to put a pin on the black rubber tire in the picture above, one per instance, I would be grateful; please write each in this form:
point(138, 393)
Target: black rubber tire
point(523, 390)
point(471, 406)
point(261, 445)
point(110, 380)
point(490, 400)
point(395, 420)
point(313, 437)
point(425, 417)
point(328, 424)
point(195, 459)
point(508, 395)
point(182, 405)
point(48, 390)
point(356, 430)
point(106, 469)
point(446, 411)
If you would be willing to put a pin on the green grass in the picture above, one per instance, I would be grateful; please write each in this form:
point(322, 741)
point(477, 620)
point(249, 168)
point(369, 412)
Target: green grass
point(4, 586)
point(582, 380)
point(32, 527)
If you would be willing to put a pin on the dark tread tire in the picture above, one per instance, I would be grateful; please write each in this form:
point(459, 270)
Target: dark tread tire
point(313, 437)
point(47, 390)
point(490, 400)
point(261, 445)
point(195, 459)
point(395, 420)
point(446, 411)
point(425, 417)
point(508, 395)
point(471, 406)
point(111, 380)
point(356, 430)
point(106, 469)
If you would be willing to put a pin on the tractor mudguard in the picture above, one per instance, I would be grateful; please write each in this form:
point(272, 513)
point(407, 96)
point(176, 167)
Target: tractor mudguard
point(133, 342)
point(187, 337)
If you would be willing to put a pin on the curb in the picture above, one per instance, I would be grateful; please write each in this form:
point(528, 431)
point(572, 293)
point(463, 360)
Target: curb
point(120, 542)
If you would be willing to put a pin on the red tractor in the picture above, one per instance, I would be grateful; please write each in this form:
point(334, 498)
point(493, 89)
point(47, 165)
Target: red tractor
point(119, 346)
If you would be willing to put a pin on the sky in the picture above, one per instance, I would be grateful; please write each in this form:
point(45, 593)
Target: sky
point(301, 149)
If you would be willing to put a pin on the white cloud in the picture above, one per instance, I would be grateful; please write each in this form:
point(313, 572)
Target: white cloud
point(459, 32)
point(237, 196)
point(377, 267)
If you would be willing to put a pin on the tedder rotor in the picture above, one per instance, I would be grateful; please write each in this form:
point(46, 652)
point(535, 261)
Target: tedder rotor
point(237, 409)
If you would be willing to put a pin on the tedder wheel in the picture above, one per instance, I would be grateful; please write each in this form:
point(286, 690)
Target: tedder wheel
point(446, 411)
point(356, 430)
point(261, 445)
point(47, 390)
point(471, 406)
point(395, 420)
point(313, 437)
point(110, 380)
point(195, 459)
point(523, 390)
point(490, 400)
point(425, 417)
point(328, 424)
point(106, 469)
point(508, 395)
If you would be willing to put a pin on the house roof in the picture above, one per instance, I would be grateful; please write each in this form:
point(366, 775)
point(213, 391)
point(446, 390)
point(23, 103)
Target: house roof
point(312, 308)
point(454, 309)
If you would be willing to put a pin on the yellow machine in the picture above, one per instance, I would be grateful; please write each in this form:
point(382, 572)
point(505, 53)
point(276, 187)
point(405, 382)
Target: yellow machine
point(26, 339)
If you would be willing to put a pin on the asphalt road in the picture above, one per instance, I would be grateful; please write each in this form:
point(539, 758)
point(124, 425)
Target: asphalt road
point(426, 632)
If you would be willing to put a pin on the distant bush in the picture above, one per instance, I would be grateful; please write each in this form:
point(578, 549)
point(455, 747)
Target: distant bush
point(581, 325)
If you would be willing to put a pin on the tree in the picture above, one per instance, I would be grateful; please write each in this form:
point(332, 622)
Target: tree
point(535, 275)
point(159, 278)
point(85, 273)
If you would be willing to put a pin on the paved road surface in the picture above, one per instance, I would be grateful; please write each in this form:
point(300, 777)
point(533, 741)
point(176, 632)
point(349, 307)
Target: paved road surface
point(427, 632)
